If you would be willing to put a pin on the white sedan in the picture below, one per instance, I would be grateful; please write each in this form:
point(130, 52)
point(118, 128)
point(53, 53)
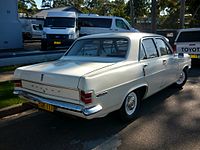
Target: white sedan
point(102, 73)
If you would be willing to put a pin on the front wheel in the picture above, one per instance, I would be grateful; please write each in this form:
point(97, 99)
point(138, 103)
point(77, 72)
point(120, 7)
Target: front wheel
point(130, 107)
point(182, 79)
point(43, 45)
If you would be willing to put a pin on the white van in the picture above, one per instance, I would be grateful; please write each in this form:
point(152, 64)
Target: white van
point(60, 29)
point(94, 24)
point(188, 41)
point(32, 28)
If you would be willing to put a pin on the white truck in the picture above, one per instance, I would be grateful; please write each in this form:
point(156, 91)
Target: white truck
point(188, 41)
point(60, 29)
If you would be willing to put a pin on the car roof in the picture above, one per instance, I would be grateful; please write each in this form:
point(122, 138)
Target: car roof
point(98, 17)
point(131, 35)
point(189, 29)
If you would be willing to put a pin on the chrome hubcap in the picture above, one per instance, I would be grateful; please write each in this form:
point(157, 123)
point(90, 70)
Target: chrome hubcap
point(181, 78)
point(131, 103)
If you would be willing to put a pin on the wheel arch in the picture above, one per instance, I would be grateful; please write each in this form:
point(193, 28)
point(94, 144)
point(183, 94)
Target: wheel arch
point(141, 89)
point(186, 68)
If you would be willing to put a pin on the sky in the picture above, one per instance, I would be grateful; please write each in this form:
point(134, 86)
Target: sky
point(39, 3)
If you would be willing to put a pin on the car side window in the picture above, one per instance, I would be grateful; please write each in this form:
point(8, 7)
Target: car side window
point(150, 48)
point(162, 47)
point(142, 53)
point(120, 24)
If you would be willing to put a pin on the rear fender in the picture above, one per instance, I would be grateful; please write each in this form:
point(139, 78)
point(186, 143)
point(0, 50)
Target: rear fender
point(136, 88)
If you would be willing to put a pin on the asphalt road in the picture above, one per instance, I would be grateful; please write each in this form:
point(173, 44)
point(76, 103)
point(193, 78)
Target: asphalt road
point(169, 119)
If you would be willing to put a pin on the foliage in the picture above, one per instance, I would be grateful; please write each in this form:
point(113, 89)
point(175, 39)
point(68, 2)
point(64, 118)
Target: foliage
point(64, 3)
point(168, 11)
point(193, 8)
point(27, 7)
point(140, 7)
point(6, 96)
point(101, 7)
point(8, 68)
point(118, 8)
point(172, 10)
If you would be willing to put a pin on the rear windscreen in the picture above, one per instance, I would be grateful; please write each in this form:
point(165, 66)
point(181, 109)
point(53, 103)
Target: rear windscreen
point(100, 47)
point(95, 22)
point(191, 36)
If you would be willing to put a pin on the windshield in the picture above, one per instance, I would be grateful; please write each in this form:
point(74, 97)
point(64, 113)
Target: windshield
point(107, 47)
point(59, 22)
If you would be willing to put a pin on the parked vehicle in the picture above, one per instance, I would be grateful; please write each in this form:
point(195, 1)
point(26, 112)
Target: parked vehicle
point(170, 34)
point(60, 29)
point(94, 24)
point(188, 41)
point(32, 28)
point(102, 73)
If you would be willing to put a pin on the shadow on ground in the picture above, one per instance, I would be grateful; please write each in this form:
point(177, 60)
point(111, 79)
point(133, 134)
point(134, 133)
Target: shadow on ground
point(168, 119)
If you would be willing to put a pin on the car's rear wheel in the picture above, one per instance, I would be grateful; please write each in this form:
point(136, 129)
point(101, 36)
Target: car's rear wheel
point(182, 79)
point(130, 107)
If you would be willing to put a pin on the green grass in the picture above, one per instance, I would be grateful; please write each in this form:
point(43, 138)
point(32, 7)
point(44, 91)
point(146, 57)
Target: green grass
point(8, 68)
point(7, 98)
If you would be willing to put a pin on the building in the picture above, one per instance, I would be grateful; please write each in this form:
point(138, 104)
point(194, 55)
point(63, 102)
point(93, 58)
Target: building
point(43, 13)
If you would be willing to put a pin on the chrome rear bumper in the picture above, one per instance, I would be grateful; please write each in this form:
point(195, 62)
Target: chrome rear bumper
point(59, 104)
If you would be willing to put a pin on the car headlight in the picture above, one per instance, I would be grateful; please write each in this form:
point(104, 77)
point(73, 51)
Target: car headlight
point(71, 36)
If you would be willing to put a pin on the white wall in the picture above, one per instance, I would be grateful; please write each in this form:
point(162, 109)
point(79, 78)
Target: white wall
point(10, 27)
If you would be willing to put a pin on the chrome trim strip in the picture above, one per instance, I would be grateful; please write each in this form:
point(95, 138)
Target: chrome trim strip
point(64, 105)
point(102, 93)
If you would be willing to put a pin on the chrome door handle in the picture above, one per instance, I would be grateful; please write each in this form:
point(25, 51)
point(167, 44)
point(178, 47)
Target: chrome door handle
point(145, 65)
point(164, 62)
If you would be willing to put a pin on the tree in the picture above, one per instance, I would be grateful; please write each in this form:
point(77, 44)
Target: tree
point(101, 7)
point(193, 8)
point(172, 13)
point(169, 13)
point(118, 8)
point(64, 3)
point(141, 8)
point(27, 7)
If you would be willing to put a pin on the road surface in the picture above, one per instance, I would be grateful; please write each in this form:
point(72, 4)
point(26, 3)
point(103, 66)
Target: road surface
point(169, 119)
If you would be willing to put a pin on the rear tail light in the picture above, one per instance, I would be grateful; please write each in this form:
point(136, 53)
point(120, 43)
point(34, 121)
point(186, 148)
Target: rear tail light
point(86, 97)
point(17, 83)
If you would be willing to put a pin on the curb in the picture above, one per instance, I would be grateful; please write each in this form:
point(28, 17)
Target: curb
point(11, 110)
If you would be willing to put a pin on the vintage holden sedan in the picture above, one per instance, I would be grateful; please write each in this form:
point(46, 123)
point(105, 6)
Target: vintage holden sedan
point(103, 73)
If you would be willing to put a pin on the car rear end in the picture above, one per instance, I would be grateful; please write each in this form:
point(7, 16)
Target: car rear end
point(188, 41)
point(56, 92)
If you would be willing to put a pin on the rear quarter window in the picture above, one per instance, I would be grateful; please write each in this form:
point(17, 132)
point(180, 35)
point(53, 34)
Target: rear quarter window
point(189, 36)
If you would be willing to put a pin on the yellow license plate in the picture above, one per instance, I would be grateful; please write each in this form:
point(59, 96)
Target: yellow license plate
point(194, 56)
point(47, 107)
point(56, 42)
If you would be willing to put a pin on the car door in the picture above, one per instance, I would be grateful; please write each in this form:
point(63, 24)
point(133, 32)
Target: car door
point(169, 61)
point(153, 67)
